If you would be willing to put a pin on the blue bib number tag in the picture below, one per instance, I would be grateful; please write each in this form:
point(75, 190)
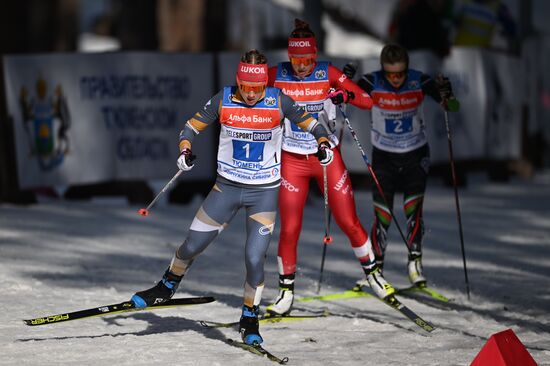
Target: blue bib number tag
point(295, 128)
point(399, 126)
point(248, 150)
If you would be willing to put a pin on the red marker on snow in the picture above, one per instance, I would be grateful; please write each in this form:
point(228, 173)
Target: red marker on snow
point(143, 212)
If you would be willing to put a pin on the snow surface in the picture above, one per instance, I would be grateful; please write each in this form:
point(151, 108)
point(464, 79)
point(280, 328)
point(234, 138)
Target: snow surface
point(60, 256)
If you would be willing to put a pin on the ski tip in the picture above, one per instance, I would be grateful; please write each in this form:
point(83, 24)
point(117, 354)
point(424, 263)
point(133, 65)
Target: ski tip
point(46, 320)
point(428, 327)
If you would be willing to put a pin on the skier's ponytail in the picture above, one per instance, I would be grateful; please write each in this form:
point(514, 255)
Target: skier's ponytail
point(254, 57)
point(301, 29)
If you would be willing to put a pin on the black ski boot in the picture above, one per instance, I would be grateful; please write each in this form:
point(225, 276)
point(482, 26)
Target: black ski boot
point(163, 291)
point(249, 326)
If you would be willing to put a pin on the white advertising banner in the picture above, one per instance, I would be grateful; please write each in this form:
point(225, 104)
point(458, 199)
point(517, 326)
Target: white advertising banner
point(86, 118)
point(489, 121)
point(466, 69)
point(503, 125)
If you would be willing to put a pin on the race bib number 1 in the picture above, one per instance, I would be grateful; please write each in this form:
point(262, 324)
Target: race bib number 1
point(248, 150)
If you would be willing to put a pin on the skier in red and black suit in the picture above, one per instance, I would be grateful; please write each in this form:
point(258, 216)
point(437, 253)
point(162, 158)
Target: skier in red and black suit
point(401, 155)
point(317, 86)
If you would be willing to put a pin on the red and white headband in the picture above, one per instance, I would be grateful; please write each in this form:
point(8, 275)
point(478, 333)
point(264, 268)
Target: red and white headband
point(302, 46)
point(254, 73)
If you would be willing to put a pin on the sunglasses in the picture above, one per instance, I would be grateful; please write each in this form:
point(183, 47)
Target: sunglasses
point(306, 61)
point(395, 74)
point(246, 88)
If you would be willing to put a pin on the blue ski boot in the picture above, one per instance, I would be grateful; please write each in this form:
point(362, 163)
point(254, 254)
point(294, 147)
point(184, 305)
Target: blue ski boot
point(163, 291)
point(249, 326)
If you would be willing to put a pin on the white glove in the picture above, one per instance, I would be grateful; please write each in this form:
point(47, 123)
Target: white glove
point(324, 153)
point(185, 160)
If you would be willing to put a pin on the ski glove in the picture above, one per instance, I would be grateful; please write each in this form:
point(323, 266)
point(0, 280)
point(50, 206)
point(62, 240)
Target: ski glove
point(350, 69)
point(324, 153)
point(445, 89)
point(339, 96)
point(185, 160)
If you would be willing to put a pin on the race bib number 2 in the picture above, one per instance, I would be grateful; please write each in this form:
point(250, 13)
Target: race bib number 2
point(398, 126)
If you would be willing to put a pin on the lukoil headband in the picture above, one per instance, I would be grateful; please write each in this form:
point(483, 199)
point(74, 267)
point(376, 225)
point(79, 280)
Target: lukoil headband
point(302, 46)
point(254, 73)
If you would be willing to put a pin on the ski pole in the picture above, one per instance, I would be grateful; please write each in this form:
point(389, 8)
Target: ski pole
point(371, 171)
point(327, 239)
point(458, 216)
point(145, 211)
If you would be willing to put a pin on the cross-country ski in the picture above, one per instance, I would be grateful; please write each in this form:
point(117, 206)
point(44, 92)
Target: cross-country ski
point(122, 307)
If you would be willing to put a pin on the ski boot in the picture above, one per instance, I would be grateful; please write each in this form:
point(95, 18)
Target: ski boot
point(249, 326)
point(163, 291)
point(379, 285)
point(415, 269)
point(285, 299)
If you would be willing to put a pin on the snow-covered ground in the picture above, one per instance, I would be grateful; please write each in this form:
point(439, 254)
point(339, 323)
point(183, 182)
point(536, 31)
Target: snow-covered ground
point(64, 256)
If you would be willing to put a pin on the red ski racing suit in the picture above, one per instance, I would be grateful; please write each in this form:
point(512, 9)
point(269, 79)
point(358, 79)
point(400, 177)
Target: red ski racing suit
point(299, 165)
